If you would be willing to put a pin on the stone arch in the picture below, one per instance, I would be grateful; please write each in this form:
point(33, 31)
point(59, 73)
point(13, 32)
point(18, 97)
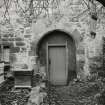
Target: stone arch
point(58, 37)
point(50, 31)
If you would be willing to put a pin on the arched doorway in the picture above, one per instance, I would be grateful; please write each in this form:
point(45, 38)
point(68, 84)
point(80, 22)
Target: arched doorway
point(57, 53)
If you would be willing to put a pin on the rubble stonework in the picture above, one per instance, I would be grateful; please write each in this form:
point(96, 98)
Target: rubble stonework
point(22, 38)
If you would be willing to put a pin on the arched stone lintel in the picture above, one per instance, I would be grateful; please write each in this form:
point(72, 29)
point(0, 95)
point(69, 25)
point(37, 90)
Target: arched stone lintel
point(50, 31)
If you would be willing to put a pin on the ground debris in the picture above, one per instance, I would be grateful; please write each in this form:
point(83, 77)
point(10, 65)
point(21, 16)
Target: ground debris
point(9, 96)
point(76, 93)
point(37, 95)
point(80, 93)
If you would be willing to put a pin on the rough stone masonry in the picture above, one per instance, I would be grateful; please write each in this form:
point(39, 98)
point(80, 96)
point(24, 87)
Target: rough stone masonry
point(72, 17)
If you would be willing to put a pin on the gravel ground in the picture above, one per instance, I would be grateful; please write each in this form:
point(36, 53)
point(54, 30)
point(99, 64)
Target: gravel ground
point(13, 98)
point(77, 93)
point(9, 96)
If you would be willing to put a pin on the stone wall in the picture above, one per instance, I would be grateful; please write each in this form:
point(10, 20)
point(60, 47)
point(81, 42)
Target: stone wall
point(72, 17)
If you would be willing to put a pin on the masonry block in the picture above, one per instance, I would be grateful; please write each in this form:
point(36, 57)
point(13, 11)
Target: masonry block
point(27, 36)
point(11, 39)
point(5, 43)
point(6, 35)
point(65, 22)
point(15, 49)
point(19, 43)
point(19, 39)
point(4, 39)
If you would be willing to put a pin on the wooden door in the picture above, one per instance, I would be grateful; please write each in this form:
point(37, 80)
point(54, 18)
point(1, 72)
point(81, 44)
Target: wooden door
point(57, 65)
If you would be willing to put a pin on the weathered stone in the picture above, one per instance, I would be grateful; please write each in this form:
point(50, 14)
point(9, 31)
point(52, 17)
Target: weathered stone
point(5, 43)
point(15, 49)
point(6, 35)
point(11, 39)
point(22, 30)
point(72, 18)
point(27, 36)
point(4, 39)
point(80, 52)
point(19, 43)
point(19, 39)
